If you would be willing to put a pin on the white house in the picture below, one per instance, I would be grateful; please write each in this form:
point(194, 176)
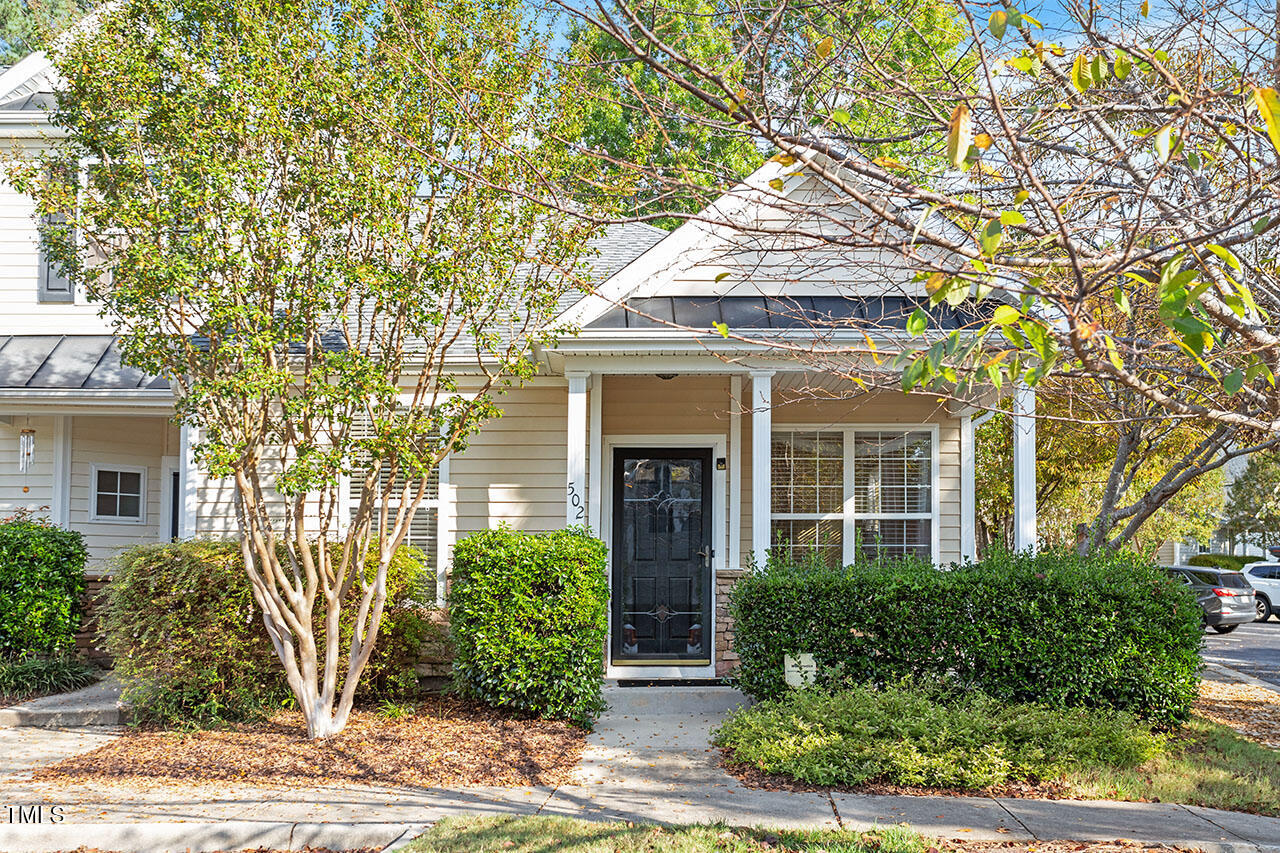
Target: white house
point(687, 451)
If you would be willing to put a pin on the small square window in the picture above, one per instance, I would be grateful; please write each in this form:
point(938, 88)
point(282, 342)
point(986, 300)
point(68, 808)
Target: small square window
point(118, 494)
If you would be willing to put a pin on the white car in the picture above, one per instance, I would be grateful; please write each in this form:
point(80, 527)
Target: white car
point(1265, 577)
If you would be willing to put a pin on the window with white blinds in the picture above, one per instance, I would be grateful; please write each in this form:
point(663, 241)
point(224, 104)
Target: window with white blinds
point(424, 529)
point(852, 493)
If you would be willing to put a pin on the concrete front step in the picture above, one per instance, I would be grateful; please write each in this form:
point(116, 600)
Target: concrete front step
point(672, 701)
point(95, 705)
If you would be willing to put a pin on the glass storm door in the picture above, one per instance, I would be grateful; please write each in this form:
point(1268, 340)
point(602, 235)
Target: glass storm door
point(662, 557)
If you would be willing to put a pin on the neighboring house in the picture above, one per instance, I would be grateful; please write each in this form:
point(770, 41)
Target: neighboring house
point(687, 451)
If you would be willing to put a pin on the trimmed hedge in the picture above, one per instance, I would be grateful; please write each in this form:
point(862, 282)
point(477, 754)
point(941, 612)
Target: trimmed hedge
point(1103, 631)
point(1229, 562)
point(41, 581)
point(528, 613)
point(190, 646)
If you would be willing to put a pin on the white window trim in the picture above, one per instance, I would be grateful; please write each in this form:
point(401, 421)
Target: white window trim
point(141, 470)
point(849, 516)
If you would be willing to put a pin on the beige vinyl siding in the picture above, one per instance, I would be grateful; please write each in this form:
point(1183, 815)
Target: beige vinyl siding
point(107, 441)
point(19, 276)
point(693, 405)
point(514, 470)
point(38, 480)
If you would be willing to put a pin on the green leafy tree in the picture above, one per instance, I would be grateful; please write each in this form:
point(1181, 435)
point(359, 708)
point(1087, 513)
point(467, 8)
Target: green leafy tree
point(30, 25)
point(1252, 511)
point(311, 216)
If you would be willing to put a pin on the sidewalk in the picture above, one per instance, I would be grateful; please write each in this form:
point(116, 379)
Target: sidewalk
point(648, 760)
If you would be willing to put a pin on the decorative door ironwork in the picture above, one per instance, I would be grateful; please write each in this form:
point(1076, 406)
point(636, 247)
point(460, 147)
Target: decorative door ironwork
point(662, 557)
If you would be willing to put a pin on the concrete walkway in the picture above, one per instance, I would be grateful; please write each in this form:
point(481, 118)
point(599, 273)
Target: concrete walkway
point(95, 705)
point(649, 759)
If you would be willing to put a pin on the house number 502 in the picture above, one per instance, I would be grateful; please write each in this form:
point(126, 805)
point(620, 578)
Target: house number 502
point(575, 501)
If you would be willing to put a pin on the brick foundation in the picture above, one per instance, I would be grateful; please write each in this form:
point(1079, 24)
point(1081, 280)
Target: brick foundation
point(89, 640)
point(726, 657)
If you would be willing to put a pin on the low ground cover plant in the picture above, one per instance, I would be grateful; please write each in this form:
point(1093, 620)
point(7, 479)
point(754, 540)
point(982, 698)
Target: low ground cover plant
point(528, 619)
point(1110, 631)
point(30, 676)
point(189, 642)
point(917, 736)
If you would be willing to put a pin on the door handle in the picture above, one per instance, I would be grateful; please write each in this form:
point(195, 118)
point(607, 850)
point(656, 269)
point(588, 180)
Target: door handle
point(707, 554)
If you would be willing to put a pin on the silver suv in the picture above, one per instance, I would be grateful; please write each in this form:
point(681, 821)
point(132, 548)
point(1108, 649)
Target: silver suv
point(1227, 598)
point(1265, 578)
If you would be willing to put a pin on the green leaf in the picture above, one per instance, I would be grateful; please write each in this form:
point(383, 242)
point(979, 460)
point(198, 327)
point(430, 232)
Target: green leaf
point(1121, 299)
point(1098, 70)
point(1006, 314)
point(1123, 65)
point(997, 23)
point(1261, 224)
point(1226, 254)
point(990, 237)
point(823, 48)
point(1233, 381)
point(776, 183)
point(841, 116)
point(722, 328)
point(1021, 196)
point(1012, 217)
point(1268, 103)
point(722, 276)
point(917, 322)
point(1080, 77)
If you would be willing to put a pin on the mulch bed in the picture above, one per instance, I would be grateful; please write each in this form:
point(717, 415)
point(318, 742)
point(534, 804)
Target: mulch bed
point(1117, 846)
point(1254, 712)
point(447, 742)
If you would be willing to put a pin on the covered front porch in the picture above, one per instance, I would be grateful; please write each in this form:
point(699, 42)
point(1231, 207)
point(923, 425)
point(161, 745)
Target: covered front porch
point(693, 469)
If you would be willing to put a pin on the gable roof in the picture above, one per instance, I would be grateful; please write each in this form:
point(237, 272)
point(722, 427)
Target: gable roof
point(739, 262)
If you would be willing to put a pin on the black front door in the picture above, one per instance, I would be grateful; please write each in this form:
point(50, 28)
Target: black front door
point(662, 556)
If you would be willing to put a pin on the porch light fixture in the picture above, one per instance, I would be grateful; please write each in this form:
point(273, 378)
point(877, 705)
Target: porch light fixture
point(26, 449)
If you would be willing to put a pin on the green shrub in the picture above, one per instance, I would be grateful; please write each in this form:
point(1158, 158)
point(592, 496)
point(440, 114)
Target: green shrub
point(189, 642)
point(904, 735)
point(27, 677)
point(1102, 631)
point(528, 616)
point(41, 581)
point(1229, 562)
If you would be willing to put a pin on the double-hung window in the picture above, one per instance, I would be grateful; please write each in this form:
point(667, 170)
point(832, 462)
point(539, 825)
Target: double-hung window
point(423, 530)
point(119, 494)
point(854, 493)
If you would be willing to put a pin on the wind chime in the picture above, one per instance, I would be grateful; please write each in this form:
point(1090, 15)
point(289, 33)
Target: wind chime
point(26, 455)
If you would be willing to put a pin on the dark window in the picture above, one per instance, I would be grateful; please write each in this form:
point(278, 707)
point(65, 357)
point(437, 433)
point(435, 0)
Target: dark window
point(118, 494)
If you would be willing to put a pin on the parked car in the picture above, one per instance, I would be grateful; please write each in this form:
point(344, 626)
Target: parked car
point(1227, 598)
point(1264, 576)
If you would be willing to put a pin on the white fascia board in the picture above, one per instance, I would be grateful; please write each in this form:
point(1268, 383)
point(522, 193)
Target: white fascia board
point(659, 262)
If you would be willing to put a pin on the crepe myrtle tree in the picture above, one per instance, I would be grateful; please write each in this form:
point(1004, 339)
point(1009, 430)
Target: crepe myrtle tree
point(1096, 202)
point(310, 216)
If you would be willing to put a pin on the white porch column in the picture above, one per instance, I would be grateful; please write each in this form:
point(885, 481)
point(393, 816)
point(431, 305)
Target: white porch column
point(595, 453)
point(575, 510)
point(735, 472)
point(62, 425)
point(189, 477)
point(761, 473)
point(1024, 469)
point(968, 462)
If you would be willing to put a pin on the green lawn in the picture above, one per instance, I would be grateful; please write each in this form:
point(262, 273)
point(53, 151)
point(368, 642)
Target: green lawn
point(1205, 764)
point(564, 835)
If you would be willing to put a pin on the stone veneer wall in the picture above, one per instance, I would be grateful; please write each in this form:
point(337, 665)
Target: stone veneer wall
point(726, 657)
